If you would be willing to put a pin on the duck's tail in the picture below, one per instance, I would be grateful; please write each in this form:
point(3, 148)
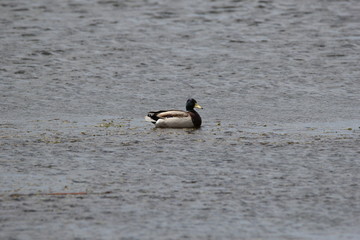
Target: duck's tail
point(151, 117)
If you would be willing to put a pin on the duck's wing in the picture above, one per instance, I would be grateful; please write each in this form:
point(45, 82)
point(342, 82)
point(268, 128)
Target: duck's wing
point(172, 114)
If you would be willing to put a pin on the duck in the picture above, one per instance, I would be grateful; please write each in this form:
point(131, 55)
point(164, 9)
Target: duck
point(177, 118)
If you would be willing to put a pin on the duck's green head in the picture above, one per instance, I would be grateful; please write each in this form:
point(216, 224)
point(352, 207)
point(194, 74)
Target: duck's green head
point(191, 104)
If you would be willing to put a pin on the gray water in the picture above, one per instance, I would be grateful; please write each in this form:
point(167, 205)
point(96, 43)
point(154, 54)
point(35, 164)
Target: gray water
point(277, 156)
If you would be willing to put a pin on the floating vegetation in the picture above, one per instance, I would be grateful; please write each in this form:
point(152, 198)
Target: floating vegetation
point(111, 123)
point(49, 140)
point(56, 140)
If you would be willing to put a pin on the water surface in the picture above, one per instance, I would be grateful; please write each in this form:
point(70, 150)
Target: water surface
point(277, 156)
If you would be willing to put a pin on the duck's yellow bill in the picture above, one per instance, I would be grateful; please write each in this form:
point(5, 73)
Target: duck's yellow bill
point(198, 106)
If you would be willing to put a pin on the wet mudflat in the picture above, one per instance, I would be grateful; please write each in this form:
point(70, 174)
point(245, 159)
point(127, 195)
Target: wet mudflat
point(277, 156)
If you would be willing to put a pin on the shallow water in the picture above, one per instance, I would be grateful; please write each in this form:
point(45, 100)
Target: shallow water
point(277, 156)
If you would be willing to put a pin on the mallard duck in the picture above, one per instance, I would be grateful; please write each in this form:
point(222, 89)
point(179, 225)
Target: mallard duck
point(177, 118)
